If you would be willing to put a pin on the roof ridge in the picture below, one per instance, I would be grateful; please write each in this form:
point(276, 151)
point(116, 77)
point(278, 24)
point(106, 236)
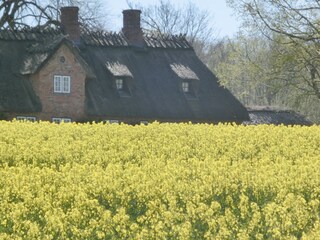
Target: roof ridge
point(103, 38)
point(100, 38)
point(161, 40)
point(23, 34)
point(153, 40)
point(42, 47)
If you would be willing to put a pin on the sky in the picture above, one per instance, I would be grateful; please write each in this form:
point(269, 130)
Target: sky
point(221, 15)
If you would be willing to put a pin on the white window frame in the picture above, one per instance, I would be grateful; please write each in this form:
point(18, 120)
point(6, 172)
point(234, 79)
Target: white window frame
point(59, 120)
point(185, 87)
point(111, 121)
point(31, 119)
point(119, 84)
point(144, 122)
point(61, 84)
point(21, 118)
point(24, 118)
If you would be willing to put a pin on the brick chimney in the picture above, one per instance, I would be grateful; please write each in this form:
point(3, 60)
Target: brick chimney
point(70, 23)
point(131, 27)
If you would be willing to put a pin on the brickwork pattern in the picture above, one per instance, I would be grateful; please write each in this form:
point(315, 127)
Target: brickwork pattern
point(67, 105)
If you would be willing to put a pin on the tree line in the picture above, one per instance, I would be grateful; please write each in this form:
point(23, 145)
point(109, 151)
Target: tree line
point(272, 61)
point(276, 54)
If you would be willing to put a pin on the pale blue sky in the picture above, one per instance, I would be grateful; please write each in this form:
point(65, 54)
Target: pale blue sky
point(222, 18)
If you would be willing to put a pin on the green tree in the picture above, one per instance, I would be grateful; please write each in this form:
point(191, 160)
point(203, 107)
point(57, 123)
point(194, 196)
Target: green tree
point(292, 63)
point(244, 70)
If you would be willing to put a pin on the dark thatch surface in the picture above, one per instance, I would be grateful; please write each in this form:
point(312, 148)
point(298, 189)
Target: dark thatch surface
point(155, 88)
point(152, 75)
point(16, 92)
point(275, 117)
point(28, 34)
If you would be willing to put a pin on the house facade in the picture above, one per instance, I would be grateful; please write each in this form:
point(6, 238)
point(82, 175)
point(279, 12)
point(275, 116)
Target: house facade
point(73, 75)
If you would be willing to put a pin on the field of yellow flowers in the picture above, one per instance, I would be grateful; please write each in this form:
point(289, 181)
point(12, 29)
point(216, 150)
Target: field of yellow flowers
point(161, 181)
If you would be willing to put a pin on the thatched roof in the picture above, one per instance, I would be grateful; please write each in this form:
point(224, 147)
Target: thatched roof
point(276, 116)
point(184, 72)
point(153, 76)
point(155, 88)
point(29, 34)
point(16, 92)
point(118, 70)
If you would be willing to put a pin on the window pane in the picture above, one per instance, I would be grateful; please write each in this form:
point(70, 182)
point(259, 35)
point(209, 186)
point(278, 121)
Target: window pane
point(59, 120)
point(119, 84)
point(57, 83)
point(56, 120)
point(31, 119)
point(144, 122)
point(114, 121)
point(21, 118)
point(66, 84)
point(61, 84)
point(66, 120)
point(185, 86)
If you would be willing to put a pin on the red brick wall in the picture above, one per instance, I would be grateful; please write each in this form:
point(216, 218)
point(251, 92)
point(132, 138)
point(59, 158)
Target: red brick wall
point(69, 22)
point(131, 27)
point(64, 105)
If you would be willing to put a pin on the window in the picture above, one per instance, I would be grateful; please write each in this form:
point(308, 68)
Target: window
point(111, 121)
point(144, 122)
point(189, 88)
point(119, 84)
point(185, 87)
point(122, 86)
point(62, 59)
point(61, 84)
point(23, 118)
point(59, 120)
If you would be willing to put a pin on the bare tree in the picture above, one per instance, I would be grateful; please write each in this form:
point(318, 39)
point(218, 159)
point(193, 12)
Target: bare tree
point(291, 18)
point(92, 12)
point(15, 14)
point(166, 18)
point(294, 26)
point(18, 13)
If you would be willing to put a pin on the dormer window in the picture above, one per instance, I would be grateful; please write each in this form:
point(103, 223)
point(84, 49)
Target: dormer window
point(122, 86)
point(189, 88)
point(122, 78)
point(185, 87)
point(119, 84)
point(188, 79)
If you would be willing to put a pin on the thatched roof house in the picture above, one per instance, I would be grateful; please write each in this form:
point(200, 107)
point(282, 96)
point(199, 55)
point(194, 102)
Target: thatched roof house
point(68, 74)
point(275, 116)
